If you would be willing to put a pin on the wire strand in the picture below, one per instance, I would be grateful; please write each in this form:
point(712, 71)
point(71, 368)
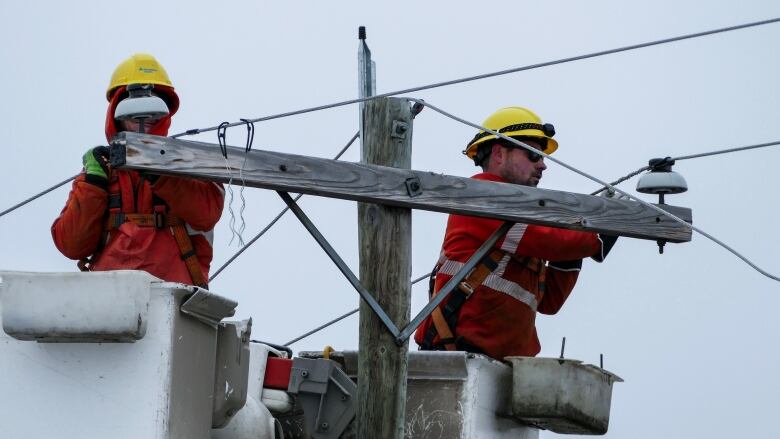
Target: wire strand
point(687, 157)
point(725, 151)
point(339, 318)
point(616, 182)
point(38, 195)
point(281, 213)
point(607, 185)
point(493, 74)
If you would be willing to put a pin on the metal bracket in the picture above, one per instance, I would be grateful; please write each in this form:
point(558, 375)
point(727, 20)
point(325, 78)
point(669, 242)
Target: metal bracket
point(399, 129)
point(327, 395)
point(117, 152)
point(413, 186)
point(208, 307)
point(342, 266)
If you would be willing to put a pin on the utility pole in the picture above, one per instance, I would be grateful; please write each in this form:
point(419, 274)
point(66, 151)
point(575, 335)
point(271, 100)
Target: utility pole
point(385, 268)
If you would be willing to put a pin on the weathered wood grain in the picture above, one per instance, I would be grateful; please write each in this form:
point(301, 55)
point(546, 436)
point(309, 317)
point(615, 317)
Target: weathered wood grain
point(388, 186)
point(385, 241)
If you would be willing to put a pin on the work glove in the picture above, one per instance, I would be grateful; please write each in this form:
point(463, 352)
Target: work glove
point(96, 166)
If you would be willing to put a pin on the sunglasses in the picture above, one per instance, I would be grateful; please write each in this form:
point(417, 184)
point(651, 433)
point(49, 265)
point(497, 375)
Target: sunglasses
point(533, 157)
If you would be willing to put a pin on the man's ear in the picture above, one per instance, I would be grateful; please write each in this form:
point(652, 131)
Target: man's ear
point(497, 153)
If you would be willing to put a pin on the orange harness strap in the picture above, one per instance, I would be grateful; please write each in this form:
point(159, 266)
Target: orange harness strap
point(470, 283)
point(188, 256)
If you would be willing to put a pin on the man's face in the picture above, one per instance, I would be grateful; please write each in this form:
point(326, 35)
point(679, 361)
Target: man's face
point(130, 125)
point(514, 166)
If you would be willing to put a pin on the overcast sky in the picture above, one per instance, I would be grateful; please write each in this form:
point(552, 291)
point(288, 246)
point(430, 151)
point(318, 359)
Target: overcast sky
point(693, 332)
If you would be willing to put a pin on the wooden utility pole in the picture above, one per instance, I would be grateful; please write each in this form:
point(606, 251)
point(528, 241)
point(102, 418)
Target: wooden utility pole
point(385, 236)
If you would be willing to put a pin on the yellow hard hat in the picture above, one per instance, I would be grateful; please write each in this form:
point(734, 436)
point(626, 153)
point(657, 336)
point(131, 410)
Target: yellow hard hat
point(514, 122)
point(140, 68)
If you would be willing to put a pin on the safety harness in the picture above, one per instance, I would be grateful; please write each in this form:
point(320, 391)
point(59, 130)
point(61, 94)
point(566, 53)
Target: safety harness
point(160, 219)
point(445, 316)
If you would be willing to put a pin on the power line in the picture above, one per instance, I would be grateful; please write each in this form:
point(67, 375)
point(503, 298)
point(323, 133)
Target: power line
point(339, 318)
point(38, 195)
point(618, 181)
point(492, 74)
point(609, 186)
point(687, 157)
point(281, 213)
point(454, 82)
point(725, 151)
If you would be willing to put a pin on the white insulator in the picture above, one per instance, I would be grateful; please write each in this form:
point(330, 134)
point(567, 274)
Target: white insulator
point(145, 107)
point(662, 183)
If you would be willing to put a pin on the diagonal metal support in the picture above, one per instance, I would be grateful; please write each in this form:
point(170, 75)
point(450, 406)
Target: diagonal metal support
point(342, 266)
point(481, 252)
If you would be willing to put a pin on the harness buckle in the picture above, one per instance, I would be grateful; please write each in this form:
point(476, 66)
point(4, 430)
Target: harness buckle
point(159, 220)
point(466, 288)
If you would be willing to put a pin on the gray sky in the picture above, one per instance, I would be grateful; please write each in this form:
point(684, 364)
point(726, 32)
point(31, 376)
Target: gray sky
point(693, 332)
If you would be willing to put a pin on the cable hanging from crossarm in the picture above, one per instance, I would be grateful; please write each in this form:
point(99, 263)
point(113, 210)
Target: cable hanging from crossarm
point(493, 74)
point(602, 183)
point(278, 216)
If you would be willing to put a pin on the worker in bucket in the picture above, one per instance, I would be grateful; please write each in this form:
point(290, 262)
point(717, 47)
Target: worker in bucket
point(531, 269)
point(126, 220)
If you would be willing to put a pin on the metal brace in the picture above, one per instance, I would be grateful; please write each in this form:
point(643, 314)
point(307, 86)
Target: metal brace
point(342, 266)
point(413, 186)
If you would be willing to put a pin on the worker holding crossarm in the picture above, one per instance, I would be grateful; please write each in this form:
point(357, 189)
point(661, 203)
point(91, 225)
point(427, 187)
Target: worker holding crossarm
point(126, 220)
point(531, 269)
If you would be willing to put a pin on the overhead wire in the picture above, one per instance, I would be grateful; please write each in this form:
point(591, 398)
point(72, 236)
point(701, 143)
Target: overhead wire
point(492, 74)
point(687, 157)
point(281, 213)
point(603, 183)
point(38, 195)
point(195, 131)
point(616, 182)
point(339, 318)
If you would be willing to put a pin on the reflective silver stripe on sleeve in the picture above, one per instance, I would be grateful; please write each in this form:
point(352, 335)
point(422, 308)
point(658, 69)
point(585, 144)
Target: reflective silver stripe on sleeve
point(495, 282)
point(499, 271)
point(450, 267)
point(513, 237)
point(512, 289)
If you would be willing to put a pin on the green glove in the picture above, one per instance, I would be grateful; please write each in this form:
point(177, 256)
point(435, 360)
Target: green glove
point(96, 165)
